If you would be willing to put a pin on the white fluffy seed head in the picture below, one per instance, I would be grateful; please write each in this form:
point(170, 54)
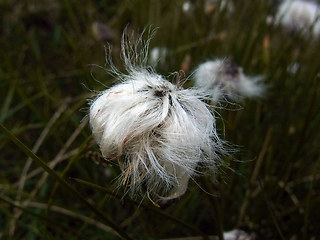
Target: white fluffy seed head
point(299, 16)
point(158, 132)
point(222, 78)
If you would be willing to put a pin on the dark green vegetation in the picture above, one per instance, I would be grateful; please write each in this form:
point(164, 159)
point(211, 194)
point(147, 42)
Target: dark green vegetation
point(46, 78)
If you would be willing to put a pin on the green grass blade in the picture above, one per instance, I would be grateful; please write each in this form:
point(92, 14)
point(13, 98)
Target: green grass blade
point(155, 210)
point(63, 182)
point(50, 221)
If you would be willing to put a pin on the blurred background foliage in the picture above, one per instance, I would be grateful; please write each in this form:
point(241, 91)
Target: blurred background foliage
point(50, 55)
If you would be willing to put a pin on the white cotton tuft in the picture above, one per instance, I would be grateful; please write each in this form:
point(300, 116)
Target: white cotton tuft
point(238, 235)
point(159, 133)
point(224, 79)
point(157, 56)
point(186, 6)
point(299, 16)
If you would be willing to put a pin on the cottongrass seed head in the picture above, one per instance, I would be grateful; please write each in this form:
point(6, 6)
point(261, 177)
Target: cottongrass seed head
point(299, 16)
point(223, 79)
point(161, 134)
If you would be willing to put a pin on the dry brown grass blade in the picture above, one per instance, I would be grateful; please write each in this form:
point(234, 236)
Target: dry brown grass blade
point(38, 143)
point(44, 176)
point(254, 176)
point(64, 211)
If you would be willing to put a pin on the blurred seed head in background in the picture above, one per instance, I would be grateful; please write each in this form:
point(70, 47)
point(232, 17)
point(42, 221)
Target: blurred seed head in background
point(299, 16)
point(223, 79)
